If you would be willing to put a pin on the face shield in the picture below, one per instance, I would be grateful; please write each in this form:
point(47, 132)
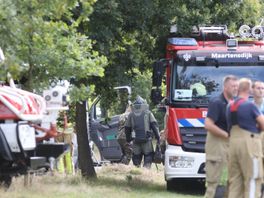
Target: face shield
point(140, 104)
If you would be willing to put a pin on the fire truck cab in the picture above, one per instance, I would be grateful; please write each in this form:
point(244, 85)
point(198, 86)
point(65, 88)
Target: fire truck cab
point(195, 67)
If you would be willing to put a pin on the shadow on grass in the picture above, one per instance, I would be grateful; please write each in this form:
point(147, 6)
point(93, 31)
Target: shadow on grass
point(137, 184)
point(130, 182)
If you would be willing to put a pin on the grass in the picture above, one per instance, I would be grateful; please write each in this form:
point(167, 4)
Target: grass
point(114, 180)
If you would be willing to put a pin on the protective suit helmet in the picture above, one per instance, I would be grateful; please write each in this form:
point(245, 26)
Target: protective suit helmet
point(140, 103)
point(139, 100)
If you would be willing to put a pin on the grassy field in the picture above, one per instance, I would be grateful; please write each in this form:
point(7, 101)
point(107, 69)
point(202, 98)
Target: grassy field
point(114, 180)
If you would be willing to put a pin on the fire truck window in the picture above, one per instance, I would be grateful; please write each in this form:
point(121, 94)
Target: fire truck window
point(200, 80)
point(206, 81)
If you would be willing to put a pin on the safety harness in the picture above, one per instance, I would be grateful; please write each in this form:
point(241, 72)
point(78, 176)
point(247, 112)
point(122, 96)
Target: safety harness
point(233, 109)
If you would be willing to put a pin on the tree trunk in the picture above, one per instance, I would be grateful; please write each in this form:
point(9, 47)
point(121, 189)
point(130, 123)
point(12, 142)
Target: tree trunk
point(84, 150)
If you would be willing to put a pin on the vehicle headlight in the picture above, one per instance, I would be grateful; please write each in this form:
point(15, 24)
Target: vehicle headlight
point(27, 137)
point(181, 162)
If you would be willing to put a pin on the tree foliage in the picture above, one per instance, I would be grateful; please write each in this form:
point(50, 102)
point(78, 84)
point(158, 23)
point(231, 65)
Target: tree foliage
point(132, 33)
point(42, 44)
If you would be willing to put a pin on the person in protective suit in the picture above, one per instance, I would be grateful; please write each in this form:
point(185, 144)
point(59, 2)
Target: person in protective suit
point(142, 122)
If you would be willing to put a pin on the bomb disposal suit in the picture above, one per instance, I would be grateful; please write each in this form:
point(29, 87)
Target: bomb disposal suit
point(194, 67)
point(142, 122)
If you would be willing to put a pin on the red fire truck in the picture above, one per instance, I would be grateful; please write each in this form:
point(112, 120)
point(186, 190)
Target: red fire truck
point(195, 67)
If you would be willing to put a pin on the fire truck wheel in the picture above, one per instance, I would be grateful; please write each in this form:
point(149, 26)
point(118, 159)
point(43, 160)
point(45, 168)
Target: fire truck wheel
point(177, 184)
point(5, 181)
point(170, 185)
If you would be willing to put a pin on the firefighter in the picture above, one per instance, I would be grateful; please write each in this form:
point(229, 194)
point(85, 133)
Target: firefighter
point(258, 93)
point(142, 122)
point(65, 163)
point(121, 137)
point(217, 138)
point(245, 152)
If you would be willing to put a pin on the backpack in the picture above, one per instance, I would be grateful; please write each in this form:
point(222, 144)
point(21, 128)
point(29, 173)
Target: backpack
point(141, 126)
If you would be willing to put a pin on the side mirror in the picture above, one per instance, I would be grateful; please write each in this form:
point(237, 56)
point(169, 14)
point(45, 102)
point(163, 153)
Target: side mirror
point(157, 75)
point(126, 88)
point(158, 72)
point(156, 96)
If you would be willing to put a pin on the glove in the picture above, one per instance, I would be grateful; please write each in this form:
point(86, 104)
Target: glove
point(158, 141)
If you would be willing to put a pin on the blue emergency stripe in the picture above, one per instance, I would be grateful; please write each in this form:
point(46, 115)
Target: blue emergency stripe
point(184, 123)
point(201, 120)
point(191, 122)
